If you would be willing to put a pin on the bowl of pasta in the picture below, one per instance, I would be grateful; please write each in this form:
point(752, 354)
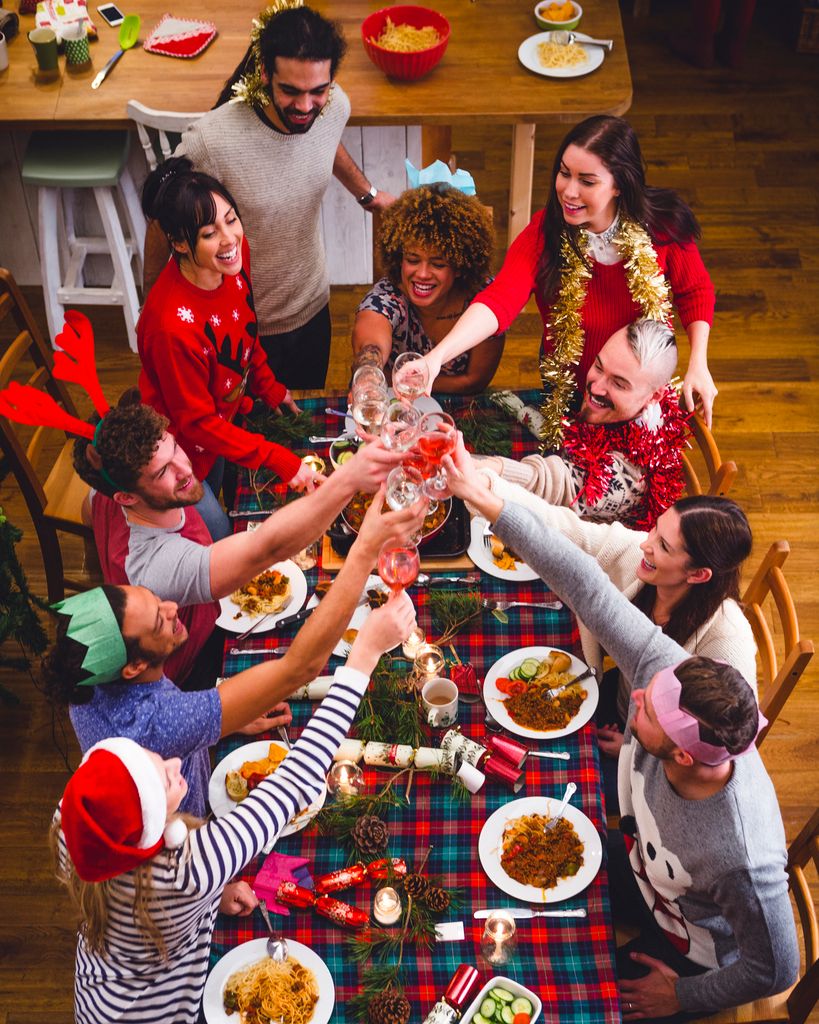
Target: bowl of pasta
point(405, 41)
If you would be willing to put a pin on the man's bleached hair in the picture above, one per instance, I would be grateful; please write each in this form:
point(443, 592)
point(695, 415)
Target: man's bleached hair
point(653, 345)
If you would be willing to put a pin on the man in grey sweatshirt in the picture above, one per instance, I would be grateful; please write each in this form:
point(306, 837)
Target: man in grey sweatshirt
point(701, 822)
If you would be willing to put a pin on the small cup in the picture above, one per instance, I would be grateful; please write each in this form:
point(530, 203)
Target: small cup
point(440, 700)
point(470, 776)
point(4, 53)
point(44, 42)
point(77, 51)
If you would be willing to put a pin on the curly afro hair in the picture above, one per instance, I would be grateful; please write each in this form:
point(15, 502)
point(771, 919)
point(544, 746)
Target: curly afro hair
point(440, 219)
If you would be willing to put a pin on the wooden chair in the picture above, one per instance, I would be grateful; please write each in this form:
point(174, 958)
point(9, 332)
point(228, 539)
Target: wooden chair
point(720, 474)
point(778, 679)
point(794, 1005)
point(54, 496)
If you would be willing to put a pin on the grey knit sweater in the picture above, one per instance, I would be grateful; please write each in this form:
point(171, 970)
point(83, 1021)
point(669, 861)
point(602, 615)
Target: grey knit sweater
point(711, 871)
point(279, 181)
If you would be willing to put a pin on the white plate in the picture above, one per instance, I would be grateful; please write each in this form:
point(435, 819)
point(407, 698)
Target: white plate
point(424, 404)
point(495, 700)
point(360, 615)
point(250, 953)
point(479, 554)
point(527, 55)
point(517, 990)
point(221, 803)
point(298, 595)
point(489, 850)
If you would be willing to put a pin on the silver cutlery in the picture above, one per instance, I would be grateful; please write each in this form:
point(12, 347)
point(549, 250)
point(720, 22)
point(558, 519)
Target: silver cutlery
point(263, 652)
point(444, 581)
point(503, 606)
point(260, 620)
point(251, 515)
point(284, 735)
point(317, 439)
point(564, 38)
point(336, 412)
point(555, 690)
point(525, 913)
point(571, 789)
point(556, 755)
point(276, 943)
point(289, 620)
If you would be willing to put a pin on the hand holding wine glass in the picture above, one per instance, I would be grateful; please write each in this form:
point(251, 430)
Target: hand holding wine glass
point(410, 376)
point(369, 406)
point(399, 428)
point(437, 438)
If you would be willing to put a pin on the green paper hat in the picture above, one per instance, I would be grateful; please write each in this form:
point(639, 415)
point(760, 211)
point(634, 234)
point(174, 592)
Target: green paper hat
point(94, 625)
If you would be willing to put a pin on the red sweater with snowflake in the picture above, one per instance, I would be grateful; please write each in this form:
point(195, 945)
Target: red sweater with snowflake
point(199, 354)
point(609, 305)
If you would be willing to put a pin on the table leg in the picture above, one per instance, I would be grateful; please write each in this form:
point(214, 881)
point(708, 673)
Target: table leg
point(436, 143)
point(520, 184)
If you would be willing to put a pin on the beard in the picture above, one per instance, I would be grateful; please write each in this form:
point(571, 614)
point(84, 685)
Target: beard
point(191, 496)
point(586, 409)
point(295, 128)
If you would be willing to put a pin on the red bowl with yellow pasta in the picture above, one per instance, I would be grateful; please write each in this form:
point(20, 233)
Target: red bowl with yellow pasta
point(405, 41)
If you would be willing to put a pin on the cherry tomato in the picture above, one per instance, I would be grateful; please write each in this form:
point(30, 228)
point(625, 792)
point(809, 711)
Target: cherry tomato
point(503, 684)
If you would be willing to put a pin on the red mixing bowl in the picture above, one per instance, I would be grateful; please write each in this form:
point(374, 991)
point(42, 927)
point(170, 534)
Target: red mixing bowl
point(406, 66)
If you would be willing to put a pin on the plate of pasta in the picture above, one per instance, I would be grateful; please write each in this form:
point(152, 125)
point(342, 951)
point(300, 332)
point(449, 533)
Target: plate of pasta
point(539, 54)
point(250, 764)
point(540, 867)
point(246, 987)
point(278, 591)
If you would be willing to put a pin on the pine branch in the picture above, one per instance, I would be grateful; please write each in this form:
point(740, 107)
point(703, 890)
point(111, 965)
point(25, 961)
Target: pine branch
point(485, 431)
point(290, 430)
point(452, 611)
point(375, 980)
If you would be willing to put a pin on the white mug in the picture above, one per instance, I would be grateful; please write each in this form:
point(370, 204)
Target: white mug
point(440, 700)
point(4, 53)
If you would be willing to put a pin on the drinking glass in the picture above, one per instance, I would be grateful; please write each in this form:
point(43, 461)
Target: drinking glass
point(398, 565)
point(410, 376)
point(368, 408)
point(399, 429)
point(369, 375)
point(437, 439)
point(404, 487)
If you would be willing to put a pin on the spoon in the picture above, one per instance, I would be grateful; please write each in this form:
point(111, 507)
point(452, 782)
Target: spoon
point(564, 38)
point(128, 34)
point(571, 789)
point(276, 945)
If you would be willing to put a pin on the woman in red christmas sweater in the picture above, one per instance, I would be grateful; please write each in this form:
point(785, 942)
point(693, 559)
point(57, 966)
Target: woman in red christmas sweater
point(607, 250)
point(197, 331)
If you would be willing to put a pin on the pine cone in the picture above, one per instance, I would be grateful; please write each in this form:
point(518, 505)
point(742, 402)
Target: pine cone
point(370, 835)
point(388, 1008)
point(416, 886)
point(437, 899)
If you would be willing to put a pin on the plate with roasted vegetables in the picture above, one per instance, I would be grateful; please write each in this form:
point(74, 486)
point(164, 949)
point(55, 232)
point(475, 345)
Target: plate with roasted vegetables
point(493, 557)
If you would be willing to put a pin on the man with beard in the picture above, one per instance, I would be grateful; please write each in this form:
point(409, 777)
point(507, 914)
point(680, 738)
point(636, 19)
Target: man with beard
point(276, 151)
point(147, 534)
point(699, 863)
point(621, 455)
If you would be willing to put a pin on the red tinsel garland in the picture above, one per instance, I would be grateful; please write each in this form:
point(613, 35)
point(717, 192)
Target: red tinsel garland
point(659, 453)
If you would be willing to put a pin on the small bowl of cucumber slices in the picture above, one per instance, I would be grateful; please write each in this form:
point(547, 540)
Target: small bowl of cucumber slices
point(503, 1001)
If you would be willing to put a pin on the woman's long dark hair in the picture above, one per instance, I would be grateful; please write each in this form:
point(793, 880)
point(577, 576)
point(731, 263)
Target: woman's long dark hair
point(716, 536)
point(663, 213)
point(298, 32)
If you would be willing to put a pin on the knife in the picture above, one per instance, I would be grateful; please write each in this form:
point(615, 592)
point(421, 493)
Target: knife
point(288, 620)
point(525, 913)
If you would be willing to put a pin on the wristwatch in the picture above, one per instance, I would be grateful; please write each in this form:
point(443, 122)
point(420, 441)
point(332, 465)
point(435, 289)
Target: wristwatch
point(368, 197)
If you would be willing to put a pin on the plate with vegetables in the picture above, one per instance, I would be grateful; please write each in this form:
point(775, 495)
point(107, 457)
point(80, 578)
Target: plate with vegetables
point(515, 692)
point(503, 1001)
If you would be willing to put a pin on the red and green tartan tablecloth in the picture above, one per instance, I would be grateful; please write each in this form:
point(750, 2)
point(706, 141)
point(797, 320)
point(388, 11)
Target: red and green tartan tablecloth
point(568, 962)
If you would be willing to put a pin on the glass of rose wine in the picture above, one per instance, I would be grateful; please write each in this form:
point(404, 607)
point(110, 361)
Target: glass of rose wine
point(398, 565)
point(437, 438)
point(410, 376)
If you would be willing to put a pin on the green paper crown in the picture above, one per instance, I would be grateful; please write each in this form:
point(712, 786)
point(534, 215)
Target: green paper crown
point(94, 625)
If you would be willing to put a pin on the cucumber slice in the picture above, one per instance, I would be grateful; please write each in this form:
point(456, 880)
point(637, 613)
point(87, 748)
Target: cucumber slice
point(503, 994)
point(478, 1018)
point(488, 1008)
point(514, 674)
point(521, 1005)
point(529, 668)
point(506, 1014)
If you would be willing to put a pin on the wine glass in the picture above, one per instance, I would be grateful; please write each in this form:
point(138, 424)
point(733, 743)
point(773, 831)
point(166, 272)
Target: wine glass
point(399, 428)
point(369, 375)
point(410, 376)
point(398, 565)
point(404, 487)
point(438, 437)
point(368, 408)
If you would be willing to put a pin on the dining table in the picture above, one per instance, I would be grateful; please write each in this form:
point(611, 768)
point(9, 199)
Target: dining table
point(568, 962)
point(479, 81)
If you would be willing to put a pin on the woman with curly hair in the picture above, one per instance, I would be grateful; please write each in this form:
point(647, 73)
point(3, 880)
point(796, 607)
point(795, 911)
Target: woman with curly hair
point(436, 248)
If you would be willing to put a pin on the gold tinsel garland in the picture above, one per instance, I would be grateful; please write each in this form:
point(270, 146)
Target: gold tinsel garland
point(648, 288)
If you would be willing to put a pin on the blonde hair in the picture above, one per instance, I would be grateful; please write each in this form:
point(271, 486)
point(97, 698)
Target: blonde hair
point(91, 899)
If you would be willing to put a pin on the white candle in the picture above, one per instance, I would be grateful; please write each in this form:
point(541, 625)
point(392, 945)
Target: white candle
point(345, 777)
point(498, 942)
point(387, 906)
point(429, 663)
point(413, 643)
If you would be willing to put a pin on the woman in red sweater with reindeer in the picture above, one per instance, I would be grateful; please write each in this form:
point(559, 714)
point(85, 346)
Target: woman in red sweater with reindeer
point(607, 250)
point(197, 334)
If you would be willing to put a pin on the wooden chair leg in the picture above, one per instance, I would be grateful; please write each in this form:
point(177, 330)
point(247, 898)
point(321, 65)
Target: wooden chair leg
point(52, 562)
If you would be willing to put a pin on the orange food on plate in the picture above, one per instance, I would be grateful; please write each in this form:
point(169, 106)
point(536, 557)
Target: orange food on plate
point(556, 12)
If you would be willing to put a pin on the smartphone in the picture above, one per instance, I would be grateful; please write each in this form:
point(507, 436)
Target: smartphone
point(111, 14)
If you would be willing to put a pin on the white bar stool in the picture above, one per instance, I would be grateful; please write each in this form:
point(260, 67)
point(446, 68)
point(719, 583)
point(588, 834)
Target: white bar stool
point(57, 163)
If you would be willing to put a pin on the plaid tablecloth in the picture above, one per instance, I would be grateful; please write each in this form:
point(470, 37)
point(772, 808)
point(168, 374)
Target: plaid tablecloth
point(568, 962)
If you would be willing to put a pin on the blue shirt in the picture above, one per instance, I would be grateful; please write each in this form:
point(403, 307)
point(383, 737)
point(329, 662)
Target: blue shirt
point(160, 717)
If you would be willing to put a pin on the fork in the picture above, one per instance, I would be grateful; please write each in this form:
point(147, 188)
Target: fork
point(555, 690)
point(571, 789)
point(502, 606)
point(258, 622)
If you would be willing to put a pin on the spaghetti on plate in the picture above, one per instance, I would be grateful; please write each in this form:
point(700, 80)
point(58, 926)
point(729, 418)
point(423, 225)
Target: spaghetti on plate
point(265, 594)
point(268, 991)
point(554, 55)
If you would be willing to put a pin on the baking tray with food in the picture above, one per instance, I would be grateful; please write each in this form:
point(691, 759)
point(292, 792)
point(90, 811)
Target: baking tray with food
point(450, 540)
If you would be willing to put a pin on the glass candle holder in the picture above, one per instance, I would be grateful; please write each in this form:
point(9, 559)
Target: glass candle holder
point(316, 463)
point(413, 644)
point(429, 664)
point(345, 778)
point(387, 906)
point(498, 941)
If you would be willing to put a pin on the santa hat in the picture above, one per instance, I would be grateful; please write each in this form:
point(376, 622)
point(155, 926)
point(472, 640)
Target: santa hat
point(114, 811)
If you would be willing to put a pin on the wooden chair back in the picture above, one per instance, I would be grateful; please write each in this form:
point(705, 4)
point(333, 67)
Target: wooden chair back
point(778, 678)
point(720, 474)
point(159, 129)
point(53, 493)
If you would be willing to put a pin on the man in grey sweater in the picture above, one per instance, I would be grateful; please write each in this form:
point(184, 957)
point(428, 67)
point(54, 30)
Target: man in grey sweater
point(701, 822)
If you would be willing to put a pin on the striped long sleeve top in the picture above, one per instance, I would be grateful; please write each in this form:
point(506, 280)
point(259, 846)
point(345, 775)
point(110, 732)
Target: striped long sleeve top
point(132, 982)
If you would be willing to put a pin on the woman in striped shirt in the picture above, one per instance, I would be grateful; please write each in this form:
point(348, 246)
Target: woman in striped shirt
point(147, 888)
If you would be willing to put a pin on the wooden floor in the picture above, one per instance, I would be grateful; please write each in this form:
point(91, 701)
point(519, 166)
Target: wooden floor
point(743, 147)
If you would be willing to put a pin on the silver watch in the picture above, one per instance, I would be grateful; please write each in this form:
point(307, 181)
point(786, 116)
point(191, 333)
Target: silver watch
point(368, 197)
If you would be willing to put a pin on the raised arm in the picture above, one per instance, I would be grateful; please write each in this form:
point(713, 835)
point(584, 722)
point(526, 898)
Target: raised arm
point(355, 181)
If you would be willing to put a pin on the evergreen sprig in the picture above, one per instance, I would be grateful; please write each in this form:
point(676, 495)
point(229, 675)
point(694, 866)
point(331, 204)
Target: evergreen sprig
point(374, 980)
point(290, 430)
point(388, 713)
point(338, 818)
point(485, 431)
point(452, 610)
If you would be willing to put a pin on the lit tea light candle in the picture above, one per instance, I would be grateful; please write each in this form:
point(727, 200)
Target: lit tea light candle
point(387, 906)
point(315, 462)
point(345, 777)
point(413, 644)
point(429, 663)
point(498, 941)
